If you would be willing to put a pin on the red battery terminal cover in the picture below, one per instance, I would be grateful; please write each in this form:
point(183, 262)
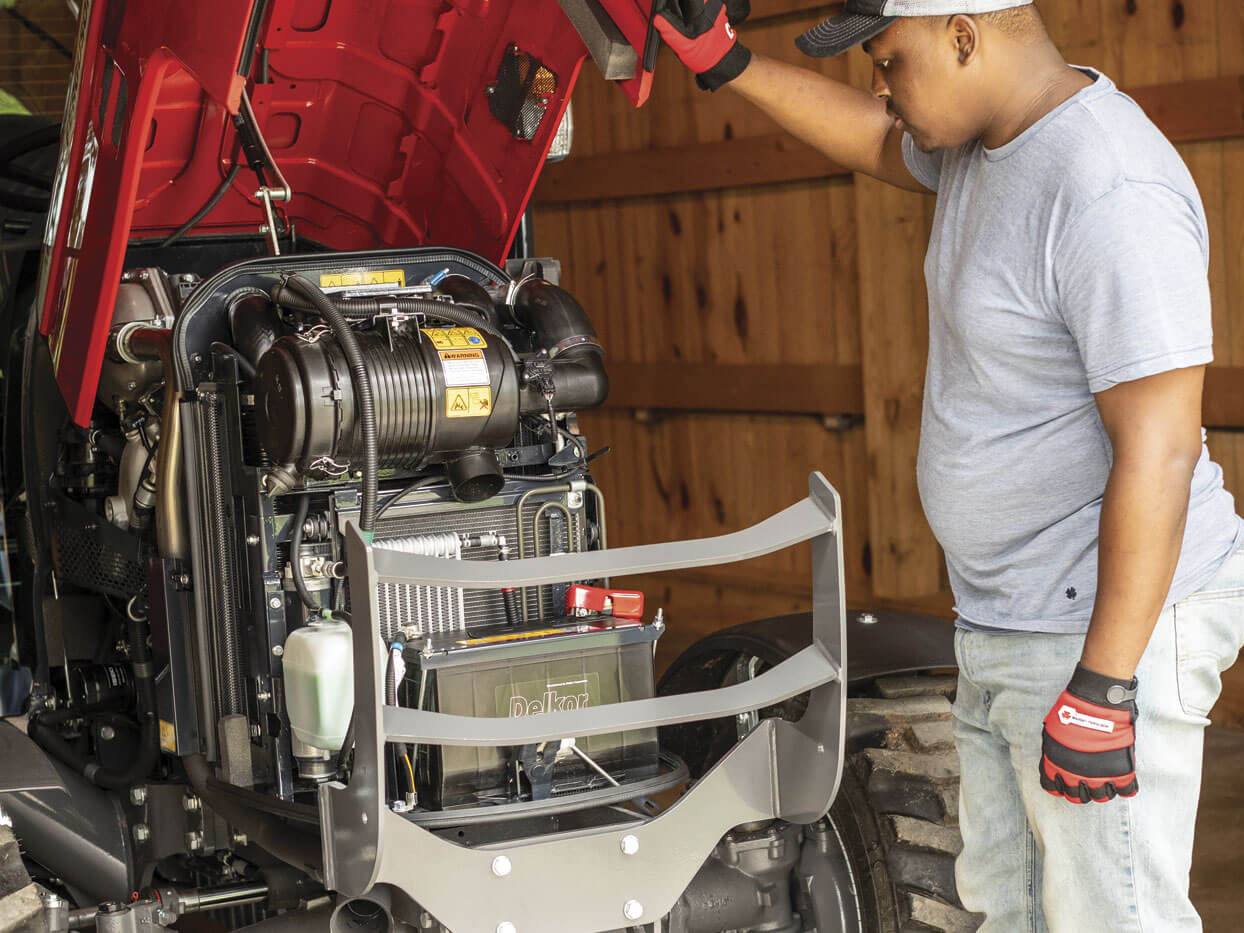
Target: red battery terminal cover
point(621, 604)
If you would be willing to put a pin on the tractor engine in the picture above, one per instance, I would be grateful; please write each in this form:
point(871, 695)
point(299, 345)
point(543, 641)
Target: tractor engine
point(244, 422)
point(250, 426)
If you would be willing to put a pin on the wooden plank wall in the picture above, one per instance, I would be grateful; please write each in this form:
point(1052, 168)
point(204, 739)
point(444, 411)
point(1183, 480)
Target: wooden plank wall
point(36, 49)
point(826, 271)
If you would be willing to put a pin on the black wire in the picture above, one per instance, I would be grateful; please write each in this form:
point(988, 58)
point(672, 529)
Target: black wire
point(347, 746)
point(541, 478)
point(360, 378)
point(206, 209)
point(247, 369)
point(420, 483)
point(295, 558)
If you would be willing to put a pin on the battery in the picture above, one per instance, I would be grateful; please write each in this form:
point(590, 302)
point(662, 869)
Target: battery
point(508, 672)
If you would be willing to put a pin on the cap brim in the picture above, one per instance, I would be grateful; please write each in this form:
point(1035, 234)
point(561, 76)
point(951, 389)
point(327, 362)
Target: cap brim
point(838, 33)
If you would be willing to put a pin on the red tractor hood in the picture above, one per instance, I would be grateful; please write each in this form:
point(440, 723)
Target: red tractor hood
point(382, 116)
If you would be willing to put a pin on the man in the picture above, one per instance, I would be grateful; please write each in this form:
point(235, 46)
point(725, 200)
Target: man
point(1095, 556)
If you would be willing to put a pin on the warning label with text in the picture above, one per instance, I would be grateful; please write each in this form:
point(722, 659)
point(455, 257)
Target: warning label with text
point(469, 402)
point(464, 368)
point(363, 279)
point(455, 338)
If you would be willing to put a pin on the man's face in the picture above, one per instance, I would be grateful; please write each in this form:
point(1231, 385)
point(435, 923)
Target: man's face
point(918, 73)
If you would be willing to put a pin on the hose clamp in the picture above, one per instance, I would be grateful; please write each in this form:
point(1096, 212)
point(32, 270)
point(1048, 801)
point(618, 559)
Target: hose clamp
point(121, 343)
point(578, 340)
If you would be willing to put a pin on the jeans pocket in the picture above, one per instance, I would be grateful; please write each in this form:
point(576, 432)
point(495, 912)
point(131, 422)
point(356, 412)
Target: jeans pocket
point(1208, 635)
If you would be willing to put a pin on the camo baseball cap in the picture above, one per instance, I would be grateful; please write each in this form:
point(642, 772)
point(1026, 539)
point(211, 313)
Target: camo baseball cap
point(860, 20)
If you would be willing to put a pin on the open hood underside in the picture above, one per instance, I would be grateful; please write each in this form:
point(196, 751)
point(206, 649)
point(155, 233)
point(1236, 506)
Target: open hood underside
point(377, 114)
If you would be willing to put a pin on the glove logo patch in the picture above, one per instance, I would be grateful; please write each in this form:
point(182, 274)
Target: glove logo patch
point(1069, 716)
point(729, 30)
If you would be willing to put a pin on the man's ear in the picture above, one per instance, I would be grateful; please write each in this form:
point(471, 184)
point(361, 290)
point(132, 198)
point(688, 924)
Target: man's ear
point(965, 36)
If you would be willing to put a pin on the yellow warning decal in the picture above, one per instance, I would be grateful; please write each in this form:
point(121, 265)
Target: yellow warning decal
point(511, 636)
point(455, 338)
point(363, 277)
point(468, 402)
point(168, 737)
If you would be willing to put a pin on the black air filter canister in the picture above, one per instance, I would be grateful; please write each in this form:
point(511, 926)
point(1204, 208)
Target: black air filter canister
point(437, 391)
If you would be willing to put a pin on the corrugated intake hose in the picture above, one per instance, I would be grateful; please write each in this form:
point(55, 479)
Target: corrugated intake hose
point(302, 287)
point(221, 555)
point(291, 845)
point(41, 728)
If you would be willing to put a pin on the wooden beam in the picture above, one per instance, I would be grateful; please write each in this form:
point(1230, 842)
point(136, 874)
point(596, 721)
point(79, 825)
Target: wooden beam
point(772, 9)
point(818, 389)
point(1195, 111)
point(737, 387)
point(1223, 404)
point(1186, 111)
point(735, 163)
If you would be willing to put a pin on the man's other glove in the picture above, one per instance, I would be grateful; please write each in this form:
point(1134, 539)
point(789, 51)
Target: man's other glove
point(1089, 742)
point(701, 33)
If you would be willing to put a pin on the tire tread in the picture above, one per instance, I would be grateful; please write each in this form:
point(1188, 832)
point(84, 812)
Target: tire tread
point(901, 750)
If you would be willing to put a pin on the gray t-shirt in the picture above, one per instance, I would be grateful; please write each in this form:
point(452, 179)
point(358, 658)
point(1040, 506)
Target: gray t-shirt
point(1070, 260)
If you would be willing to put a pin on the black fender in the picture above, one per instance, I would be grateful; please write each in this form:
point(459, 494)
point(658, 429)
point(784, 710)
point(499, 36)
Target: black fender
point(879, 643)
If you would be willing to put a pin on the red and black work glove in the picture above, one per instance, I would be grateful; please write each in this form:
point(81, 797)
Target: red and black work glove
point(701, 33)
point(1088, 747)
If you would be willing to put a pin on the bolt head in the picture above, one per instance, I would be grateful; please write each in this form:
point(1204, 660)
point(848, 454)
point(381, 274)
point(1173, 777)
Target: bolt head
point(194, 841)
point(275, 602)
point(868, 619)
point(632, 910)
point(141, 833)
point(278, 650)
point(191, 804)
point(138, 795)
point(501, 866)
point(629, 844)
point(252, 540)
point(506, 927)
point(107, 733)
point(183, 579)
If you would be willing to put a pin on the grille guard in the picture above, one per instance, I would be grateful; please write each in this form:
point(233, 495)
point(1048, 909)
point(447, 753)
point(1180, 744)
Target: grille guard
point(786, 770)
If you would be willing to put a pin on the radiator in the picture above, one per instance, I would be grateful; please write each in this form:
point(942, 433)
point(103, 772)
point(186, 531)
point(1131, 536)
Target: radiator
point(447, 609)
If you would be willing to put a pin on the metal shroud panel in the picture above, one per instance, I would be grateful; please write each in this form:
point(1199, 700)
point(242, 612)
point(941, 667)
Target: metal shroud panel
point(786, 770)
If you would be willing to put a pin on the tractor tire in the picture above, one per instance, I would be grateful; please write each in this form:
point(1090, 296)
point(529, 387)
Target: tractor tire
point(21, 908)
point(897, 811)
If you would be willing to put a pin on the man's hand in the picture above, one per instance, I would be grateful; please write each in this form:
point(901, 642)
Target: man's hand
point(1088, 746)
point(701, 35)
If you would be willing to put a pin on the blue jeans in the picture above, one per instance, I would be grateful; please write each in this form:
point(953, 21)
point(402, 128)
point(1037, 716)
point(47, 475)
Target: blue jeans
point(1034, 862)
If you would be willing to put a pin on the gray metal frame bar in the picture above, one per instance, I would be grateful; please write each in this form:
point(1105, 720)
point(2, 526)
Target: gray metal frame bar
point(808, 669)
point(804, 520)
point(580, 881)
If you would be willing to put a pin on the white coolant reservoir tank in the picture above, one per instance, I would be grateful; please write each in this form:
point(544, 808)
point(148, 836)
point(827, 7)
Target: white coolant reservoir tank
point(319, 682)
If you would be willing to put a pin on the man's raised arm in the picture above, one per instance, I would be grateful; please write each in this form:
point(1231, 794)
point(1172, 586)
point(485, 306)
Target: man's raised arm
point(849, 125)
